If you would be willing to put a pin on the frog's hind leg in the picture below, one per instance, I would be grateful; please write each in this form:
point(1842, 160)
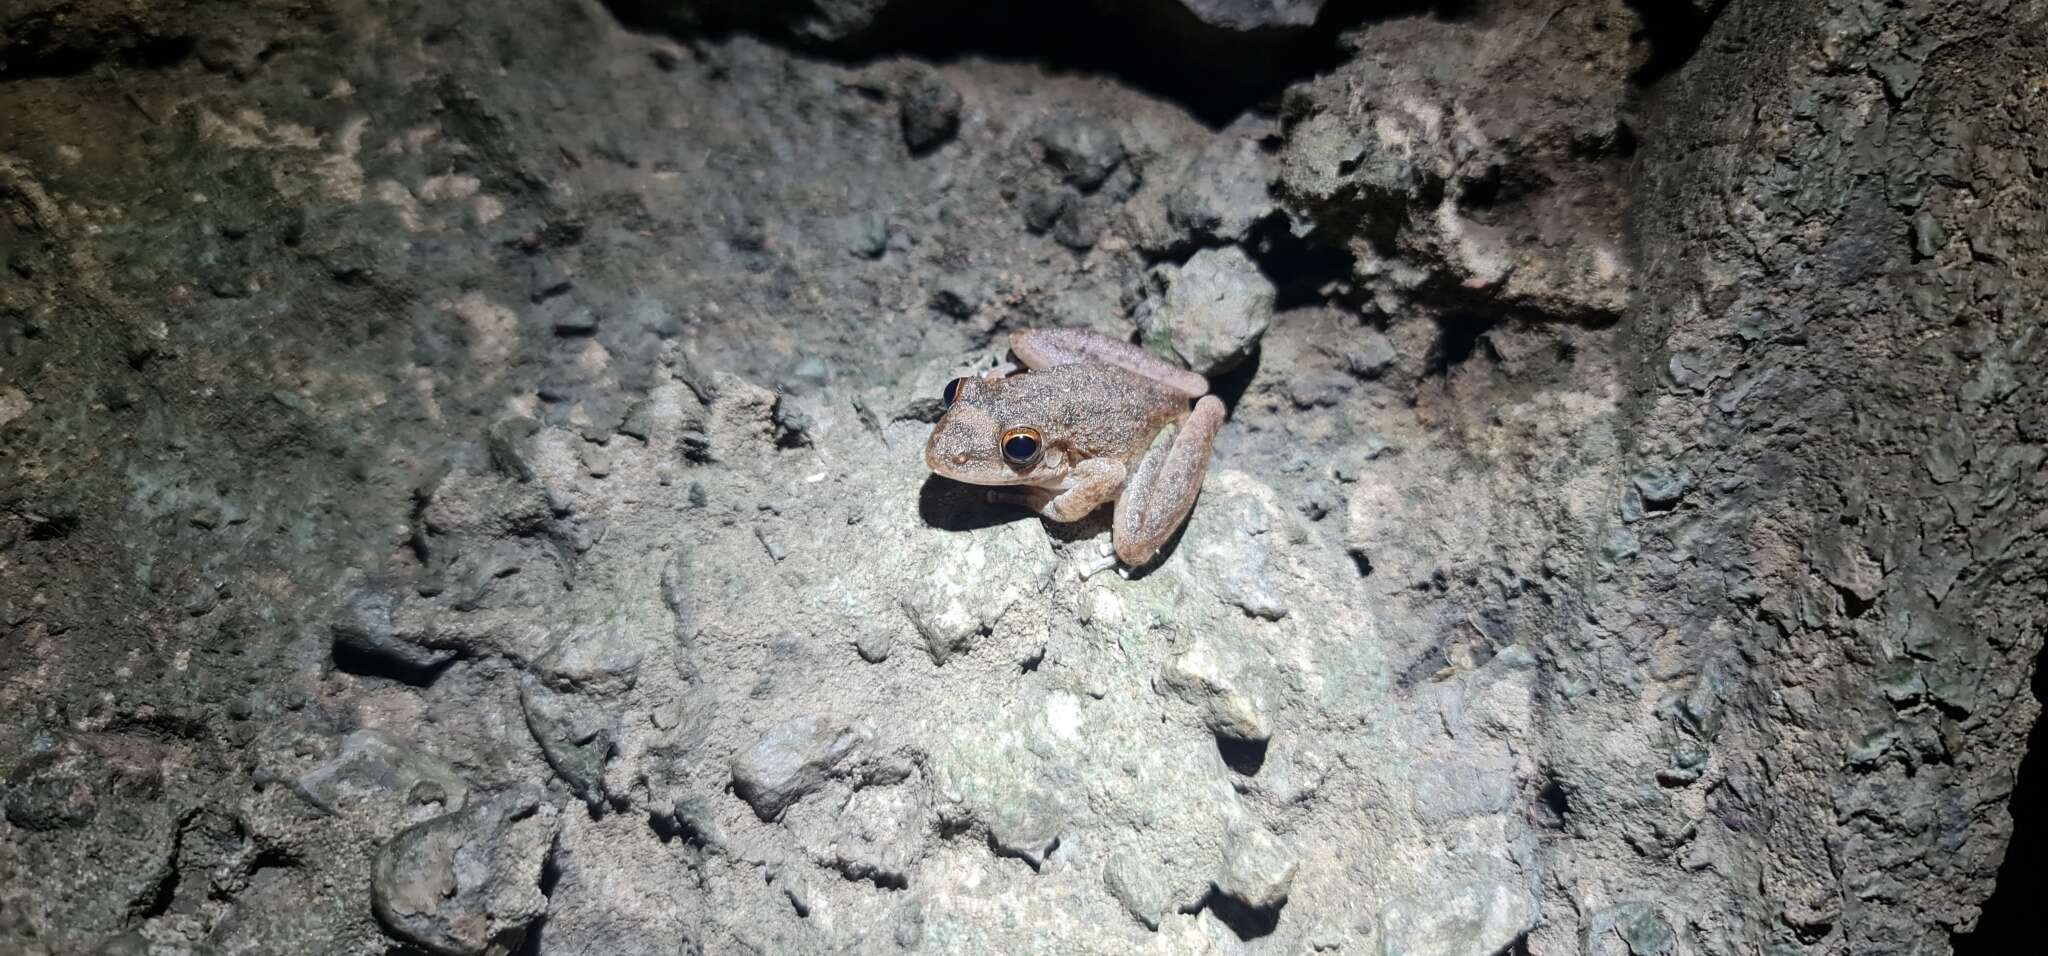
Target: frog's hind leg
point(1163, 489)
point(1045, 348)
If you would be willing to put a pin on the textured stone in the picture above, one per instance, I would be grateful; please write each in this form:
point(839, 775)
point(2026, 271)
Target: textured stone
point(928, 110)
point(791, 760)
point(468, 882)
point(1210, 312)
point(1212, 681)
point(1258, 868)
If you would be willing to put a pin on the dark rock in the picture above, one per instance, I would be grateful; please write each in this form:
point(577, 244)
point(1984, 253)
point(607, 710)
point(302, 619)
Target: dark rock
point(1078, 228)
point(1046, 207)
point(509, 442)
point(1083, 150)
point(577, 321)
point(693, 817)
point(1224, 191)
point(957, 296)
point(363, 633)
point(929, 111)
point(545, 280)
point(467, 883)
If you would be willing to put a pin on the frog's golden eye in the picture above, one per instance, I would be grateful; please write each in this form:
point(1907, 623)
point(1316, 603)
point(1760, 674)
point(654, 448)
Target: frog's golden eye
point(952, 392)
point(1021, 447)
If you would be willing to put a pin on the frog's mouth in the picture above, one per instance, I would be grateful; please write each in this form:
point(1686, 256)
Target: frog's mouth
point(964, 469)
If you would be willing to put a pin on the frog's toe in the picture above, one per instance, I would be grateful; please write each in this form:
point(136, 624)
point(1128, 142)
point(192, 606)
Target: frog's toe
point(1092, 568)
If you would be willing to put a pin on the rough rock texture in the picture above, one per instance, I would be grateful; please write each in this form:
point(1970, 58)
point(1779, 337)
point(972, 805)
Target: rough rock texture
point(459, 480)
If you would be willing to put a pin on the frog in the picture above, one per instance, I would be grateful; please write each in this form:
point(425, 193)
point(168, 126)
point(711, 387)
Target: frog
point(1075, 420)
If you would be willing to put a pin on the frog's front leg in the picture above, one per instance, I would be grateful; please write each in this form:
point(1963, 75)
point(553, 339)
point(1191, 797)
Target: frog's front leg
point(1094, 482)
point(1162, 491)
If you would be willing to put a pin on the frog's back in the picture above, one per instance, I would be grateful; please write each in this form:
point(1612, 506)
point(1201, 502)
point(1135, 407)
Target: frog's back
point(1100, 410)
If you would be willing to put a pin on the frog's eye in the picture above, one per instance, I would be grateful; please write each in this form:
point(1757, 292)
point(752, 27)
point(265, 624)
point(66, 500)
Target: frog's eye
point(1021, 447)
point(952, 392)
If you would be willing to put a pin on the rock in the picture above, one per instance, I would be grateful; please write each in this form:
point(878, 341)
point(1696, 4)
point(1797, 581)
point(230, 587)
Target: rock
point(1229, 547)
point(1258, 869)
point(601, 659)
point(1209, 679)
point(958, 296)
point(928, 110)
point(965, 589)
point(510, 443)
point(1045, 208)
point(1253, 16)
point(999, 781)
point(865, 235)
point(874, 645)
point(575, 734)
point(1661, 486)
point(1078, 228)
point(363, 633)
point(467, 883)
point(1223, 192)
point(545, 280)
point(1209, 313)
point(1137, 886)
point(1083, 150)
point(878, 836)
point(1473, 919)
point(692, 816)
point(384, 782)
point(791, 760)
point(576, 321)
point(1372, 356)
point(1627, 929)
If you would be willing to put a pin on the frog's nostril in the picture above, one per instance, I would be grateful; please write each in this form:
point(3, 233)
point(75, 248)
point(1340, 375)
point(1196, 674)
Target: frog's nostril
point(960, 459)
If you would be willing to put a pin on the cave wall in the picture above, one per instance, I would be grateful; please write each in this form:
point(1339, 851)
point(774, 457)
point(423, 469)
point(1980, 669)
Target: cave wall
point(492, 429)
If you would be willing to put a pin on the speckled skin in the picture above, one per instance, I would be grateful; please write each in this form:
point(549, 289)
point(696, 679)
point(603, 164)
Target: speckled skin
point(1099, 408)
point(1081, 412)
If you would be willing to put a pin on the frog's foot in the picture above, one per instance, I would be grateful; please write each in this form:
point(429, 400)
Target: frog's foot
point(1102, 563)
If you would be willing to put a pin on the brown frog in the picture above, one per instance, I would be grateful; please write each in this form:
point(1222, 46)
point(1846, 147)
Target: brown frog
point(1089, 420)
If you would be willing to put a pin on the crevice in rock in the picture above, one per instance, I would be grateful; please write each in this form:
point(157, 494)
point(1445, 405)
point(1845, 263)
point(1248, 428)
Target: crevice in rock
point(2013, 911)
point(1158, 46)
point(1553, 805)
point(550, 877)
point(1458, 337)
point(1675, 31)
point(1037, 865)
point(1247, 922)
point(1243, 756)
point(1305, 270)
point(362, 663)
point(157, 54)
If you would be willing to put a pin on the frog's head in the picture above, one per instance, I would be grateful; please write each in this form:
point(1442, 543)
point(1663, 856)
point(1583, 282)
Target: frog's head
point(972, 443)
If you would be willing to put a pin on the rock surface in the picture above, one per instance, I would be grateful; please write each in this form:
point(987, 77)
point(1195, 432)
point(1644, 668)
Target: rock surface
point(460, 480)
point(467, 883)
point(1209, 313)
